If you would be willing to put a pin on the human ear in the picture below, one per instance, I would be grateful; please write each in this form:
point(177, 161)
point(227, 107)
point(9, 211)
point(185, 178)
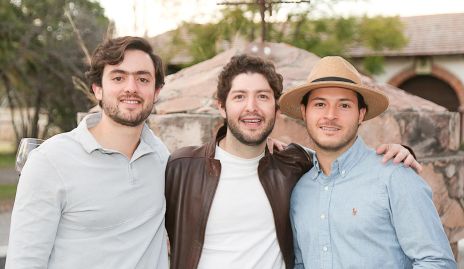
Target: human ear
point(98, 91)
point(362, 114)
point(222, 109)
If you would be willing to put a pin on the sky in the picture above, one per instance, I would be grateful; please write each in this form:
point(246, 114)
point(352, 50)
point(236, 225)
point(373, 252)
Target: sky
point(154, 17)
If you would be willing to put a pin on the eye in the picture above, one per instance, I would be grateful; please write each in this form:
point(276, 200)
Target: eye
point(117, 79)
point(263, 97)
point(345, 105)
point(144, 80)
point(319, 104)
point(238, 97)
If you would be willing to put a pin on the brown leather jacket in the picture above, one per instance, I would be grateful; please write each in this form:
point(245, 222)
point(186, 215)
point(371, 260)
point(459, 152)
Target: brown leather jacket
point(192, 176)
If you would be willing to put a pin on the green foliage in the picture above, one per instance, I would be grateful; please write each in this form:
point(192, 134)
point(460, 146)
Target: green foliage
point(324, 36)
point(380, 33)
point(39, 55)
point(374, 64)
point(7, 192)
point(203, 45)
point(7, 160)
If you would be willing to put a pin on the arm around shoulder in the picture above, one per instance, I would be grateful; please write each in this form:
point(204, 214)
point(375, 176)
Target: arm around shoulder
point(297, 156)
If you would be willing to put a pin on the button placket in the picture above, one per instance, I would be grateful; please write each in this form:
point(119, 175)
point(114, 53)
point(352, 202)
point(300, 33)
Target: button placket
point(324, 232)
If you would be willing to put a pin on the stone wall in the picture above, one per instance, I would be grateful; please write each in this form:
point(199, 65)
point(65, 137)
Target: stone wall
point(182, 130)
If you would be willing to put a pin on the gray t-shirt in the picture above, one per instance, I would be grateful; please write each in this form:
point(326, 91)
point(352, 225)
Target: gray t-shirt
point(79, 205)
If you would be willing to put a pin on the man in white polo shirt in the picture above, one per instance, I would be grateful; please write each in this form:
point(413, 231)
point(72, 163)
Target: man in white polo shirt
point(94, 197)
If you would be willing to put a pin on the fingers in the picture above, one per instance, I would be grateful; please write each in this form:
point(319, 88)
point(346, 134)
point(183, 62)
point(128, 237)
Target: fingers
point(275, 144)
point(417, 166)
point(399, 154)
point(409, 161)
point(382, 149)
point(402, 156)
point(390, 152)
point(280, 146)
point(270, 144)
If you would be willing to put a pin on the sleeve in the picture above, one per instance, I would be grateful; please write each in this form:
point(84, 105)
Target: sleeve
point(171, 198)
point(296, 248)
point(36, 214)
point(416, 221)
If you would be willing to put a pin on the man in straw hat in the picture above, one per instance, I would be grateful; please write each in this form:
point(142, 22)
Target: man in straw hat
point(228, 200)
point(349, 210)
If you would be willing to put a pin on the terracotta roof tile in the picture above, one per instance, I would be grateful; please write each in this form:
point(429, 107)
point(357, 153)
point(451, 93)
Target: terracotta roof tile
point(439, 34)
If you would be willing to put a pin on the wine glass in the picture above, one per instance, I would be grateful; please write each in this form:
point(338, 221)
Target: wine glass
point(25, 147)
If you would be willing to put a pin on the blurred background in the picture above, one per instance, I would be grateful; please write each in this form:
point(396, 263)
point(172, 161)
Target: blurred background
point(413, 50)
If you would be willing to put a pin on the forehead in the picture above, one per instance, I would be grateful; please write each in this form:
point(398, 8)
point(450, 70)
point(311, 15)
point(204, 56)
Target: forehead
point(134, 61)
point(250, 82)
point(333, 93)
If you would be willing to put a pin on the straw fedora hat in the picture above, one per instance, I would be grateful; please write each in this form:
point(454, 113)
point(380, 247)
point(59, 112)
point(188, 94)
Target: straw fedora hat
point(333, 71)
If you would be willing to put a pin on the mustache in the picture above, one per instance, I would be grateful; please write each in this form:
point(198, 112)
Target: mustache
point(329, 123)
point(130, 96)
point(251, 115)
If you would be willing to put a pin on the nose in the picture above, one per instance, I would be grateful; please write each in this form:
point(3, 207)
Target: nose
point(251, 104)
point(131, 85)
point(331, 112)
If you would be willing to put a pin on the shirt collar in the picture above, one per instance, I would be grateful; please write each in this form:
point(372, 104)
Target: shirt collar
point(147, 141)
point(314, 159)
point(83, 135)
point(345, 162)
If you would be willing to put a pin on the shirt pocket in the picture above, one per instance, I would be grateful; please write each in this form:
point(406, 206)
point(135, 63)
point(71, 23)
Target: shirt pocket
point(362, 209)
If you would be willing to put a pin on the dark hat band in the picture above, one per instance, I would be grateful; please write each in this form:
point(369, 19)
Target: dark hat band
point(339, 79)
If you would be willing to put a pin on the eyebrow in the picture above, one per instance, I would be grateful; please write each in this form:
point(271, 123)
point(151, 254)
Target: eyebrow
point(339, 100)
point(244, 90)
point(140, 72)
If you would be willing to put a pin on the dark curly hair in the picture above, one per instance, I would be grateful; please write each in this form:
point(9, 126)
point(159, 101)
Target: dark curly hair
point(244, 63)
point(111, 52)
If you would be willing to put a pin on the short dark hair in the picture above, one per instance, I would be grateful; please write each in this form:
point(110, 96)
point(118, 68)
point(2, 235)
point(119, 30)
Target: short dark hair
point(244, 63)
point(361, 102)
point(111, 52)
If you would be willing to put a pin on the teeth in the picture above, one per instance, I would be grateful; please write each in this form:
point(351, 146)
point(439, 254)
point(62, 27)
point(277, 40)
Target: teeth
point(130, 101)
point(329, 128)
point(252, 121)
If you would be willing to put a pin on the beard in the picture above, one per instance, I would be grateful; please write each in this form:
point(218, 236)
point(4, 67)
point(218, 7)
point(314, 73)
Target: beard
point(334, 146)
point(251, 140)
point(126, 119)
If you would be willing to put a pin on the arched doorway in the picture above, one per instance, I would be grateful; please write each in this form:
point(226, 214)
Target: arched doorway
point(438, 85)
point(433, 89)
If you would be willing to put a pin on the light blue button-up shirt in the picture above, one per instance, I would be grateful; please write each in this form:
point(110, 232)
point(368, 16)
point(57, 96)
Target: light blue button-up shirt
point(366, 215)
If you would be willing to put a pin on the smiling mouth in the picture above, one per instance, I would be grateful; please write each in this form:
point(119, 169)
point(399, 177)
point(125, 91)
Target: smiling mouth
point(252, 123)
point(130, 101)
point(329, 128)
point(251, 120)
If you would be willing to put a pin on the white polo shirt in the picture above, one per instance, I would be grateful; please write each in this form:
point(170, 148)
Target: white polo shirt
point(79, 205)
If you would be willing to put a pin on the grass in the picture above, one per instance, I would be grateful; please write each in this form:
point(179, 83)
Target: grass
point(7, 192)
point(7, 159)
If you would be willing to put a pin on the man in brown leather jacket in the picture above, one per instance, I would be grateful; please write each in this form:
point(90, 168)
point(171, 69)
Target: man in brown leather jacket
point(228, 200)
